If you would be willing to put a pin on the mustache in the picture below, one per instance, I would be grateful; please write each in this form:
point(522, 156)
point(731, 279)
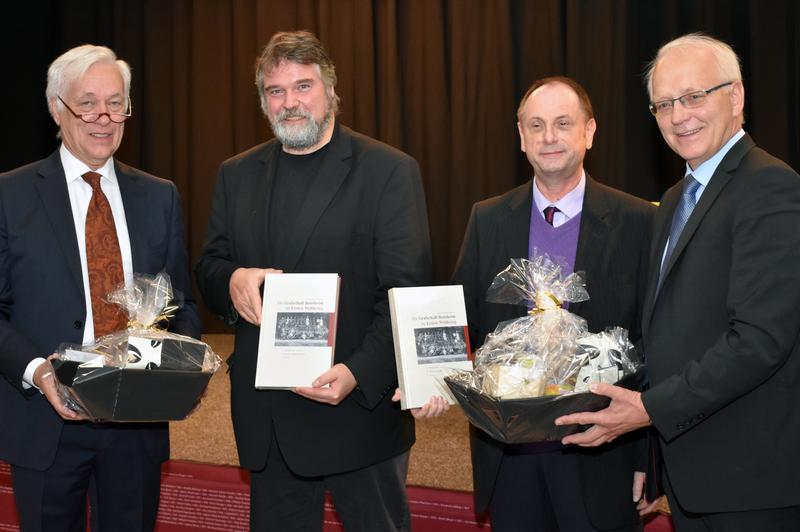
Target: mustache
point(292, 113)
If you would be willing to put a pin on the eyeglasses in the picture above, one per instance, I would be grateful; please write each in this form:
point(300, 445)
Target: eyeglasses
point(117, 115)
point(688, 101)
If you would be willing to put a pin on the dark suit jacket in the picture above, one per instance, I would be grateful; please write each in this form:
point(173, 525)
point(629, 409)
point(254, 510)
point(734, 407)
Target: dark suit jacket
point(612, 250)
point(721, 338)
point(364, 219)
point(41, 289)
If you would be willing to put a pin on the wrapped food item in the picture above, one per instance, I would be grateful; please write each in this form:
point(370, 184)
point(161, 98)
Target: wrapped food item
point(609, 356)
point(143, 373)
point(529, 369)
point(531, 355)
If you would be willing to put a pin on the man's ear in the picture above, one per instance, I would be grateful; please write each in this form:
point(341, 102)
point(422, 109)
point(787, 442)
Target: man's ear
point(591, 127)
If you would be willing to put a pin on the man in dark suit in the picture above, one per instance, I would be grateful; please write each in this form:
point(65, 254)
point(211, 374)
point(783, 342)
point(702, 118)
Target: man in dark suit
point(319, 198)
point(598, 230)
point(720, 325)
point(52, 214)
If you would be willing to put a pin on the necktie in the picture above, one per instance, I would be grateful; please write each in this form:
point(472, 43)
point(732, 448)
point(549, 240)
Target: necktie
point(679, 218)
point(549, 212)
point(103, 260)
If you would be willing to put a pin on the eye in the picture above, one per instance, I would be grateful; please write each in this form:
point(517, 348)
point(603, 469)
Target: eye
point(303, 86)
point(695, 97)
point(86, 105)
point(114, 106)
point(563, 123)
point(275, 92)
point(536, 126)
point(665, 105)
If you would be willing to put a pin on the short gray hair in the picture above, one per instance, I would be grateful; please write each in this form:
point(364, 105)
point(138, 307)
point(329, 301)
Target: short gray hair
point(70, 66)
point(727, 60)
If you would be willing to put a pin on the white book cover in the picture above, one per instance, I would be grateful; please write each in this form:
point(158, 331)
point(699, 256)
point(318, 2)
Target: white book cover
point(429, 325)
point(298, 329)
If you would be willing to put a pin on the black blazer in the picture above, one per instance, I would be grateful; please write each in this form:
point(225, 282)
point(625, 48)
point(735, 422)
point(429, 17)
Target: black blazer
point(41, 289)
point(612, 251)
point(364, 219)
point(721, 338)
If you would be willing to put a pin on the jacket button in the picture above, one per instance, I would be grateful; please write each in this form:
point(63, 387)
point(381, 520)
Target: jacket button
point(77, 324)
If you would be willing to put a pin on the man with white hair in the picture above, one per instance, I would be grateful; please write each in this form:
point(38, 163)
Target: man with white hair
point(73, 227)
point(720, 323)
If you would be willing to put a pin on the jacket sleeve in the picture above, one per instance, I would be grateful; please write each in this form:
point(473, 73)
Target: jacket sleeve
point(216, 263)
point(16, 351)
point(187, 320)
point(402, 254)
point(763, 288)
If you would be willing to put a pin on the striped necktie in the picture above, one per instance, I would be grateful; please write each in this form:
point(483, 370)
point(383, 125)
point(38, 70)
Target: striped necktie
point(549, 212)
point(679, 219)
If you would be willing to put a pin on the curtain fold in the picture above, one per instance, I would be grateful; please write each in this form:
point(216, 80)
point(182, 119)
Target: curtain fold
point(439, 79)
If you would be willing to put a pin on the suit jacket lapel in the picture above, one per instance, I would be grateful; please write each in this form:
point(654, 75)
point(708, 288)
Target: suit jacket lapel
point(52, 189)
point(516, 226)
point(718, 181)
point(263, 178)
point(134, 200)
point(593, 231)
point(666, 209)
point(332, 173)
point(722, 175)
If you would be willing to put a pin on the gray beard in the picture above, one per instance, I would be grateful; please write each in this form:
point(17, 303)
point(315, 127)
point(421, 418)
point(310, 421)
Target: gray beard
point(299, 137)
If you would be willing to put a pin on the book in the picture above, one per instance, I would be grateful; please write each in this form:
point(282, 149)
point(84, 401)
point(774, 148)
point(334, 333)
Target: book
point(298, 329)
point(429, 326)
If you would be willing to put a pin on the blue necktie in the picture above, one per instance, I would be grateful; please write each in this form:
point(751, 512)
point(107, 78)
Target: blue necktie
point(679, 219)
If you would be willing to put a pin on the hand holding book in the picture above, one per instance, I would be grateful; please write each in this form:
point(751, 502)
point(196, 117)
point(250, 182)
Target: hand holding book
point(331, 387)
point(244, 286)
point(435, 407)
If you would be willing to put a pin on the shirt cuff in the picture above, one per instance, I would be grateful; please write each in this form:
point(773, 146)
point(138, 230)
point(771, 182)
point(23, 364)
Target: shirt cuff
point(27, 377)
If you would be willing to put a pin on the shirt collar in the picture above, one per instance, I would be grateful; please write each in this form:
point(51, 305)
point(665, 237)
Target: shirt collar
point(704, 172)
point(74, 168)
point(570, 205)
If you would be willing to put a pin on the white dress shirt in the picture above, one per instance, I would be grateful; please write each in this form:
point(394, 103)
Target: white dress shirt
point(80, 195)
point(568, 207)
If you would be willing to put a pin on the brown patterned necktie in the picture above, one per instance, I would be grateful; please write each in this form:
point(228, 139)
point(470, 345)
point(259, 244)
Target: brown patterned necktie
point(103, 260)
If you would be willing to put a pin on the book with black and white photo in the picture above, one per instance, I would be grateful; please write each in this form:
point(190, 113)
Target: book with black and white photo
point(298, 329)
point(429, 325)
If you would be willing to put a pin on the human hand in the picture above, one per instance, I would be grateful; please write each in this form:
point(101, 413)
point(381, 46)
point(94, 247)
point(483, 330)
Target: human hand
point(638, 485)
point(646, 507)
point(244, 289)
point(341, 381)
point(44, 378)
point(435, 407)
point(624, 414)
point(642, 504)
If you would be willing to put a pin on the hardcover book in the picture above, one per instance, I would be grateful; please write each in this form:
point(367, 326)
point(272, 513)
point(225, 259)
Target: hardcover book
point(429, 325)
point(298, 329)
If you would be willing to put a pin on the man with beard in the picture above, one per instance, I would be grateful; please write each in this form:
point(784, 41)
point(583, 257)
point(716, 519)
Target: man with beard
point(318, 198)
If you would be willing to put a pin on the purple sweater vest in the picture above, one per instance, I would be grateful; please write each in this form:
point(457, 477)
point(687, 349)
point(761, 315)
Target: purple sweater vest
point(561, 241)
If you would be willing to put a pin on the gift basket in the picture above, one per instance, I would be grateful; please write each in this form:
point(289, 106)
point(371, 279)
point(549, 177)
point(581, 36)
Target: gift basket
point(536, 368)
point(143, 373)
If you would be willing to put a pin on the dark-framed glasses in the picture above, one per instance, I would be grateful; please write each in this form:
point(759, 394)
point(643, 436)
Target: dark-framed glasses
point(688, 101)
point(117, 112)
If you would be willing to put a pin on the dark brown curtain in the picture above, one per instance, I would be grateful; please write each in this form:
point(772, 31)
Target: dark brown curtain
point(440, 80)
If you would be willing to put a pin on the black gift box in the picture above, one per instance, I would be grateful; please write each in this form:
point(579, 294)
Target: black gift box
point(164, 392)
point(530, 420)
